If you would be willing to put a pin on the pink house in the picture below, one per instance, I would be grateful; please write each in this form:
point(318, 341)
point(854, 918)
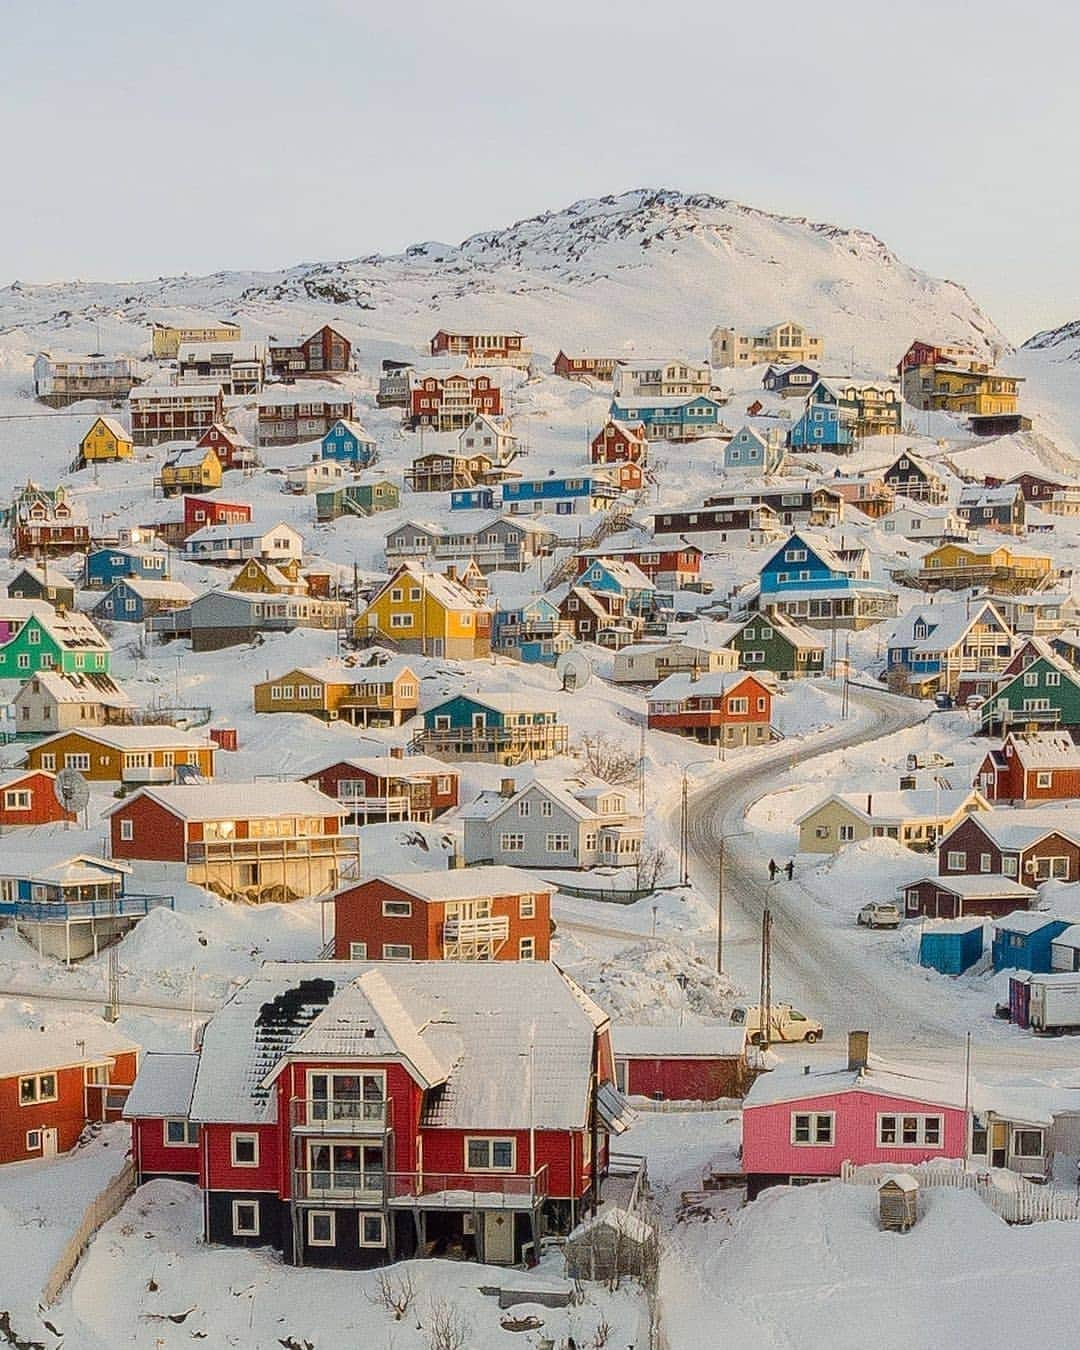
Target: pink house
point(800, 1122)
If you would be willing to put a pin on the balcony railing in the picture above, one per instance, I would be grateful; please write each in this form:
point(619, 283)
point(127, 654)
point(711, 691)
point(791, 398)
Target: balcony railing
point(345, 1188)
point(466, 1190)
point(74, 911)
point(340, 1115)
point(148, 773)
point(550, 739)
point(217, 850)
point(492, 928)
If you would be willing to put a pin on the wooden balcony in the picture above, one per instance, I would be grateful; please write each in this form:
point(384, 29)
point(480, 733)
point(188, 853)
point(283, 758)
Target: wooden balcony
point(256, 850)
point(340, 1115)
point(506, 744)
point(479, 939)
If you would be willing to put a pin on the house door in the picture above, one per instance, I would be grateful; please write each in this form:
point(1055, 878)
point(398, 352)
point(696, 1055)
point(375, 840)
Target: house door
point(499, 1237)
point(999, 1144)
point(50, 1143)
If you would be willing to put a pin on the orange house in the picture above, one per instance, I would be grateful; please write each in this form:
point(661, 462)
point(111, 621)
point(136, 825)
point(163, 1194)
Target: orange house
point(724, 707)
point(124, 754)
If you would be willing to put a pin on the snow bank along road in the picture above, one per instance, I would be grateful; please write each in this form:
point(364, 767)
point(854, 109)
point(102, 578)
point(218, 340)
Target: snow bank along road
point(836, 981)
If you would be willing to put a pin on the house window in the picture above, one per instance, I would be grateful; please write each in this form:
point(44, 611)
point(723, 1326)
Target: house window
point(180, 1133)
point(372, 1230)
point(127, 830)
point(557, 843)
point(1008, 866)
point(245, 1218)
point(526, 906)
point(546, 808)
point(512, 843)
point(523, 808)
point(527, 949)
point(321, 1228)
point(489, 1155)
point(48, 761)
point(33, 1140)
point(396, 951)
point(357, 951)
point(812, 1128)
point(1027, 1143)
point(245, 1150)
point(80, 762)
point(17, 801)
point(397, 909)
point(1044, 780)
point(845, 833)
point(895, 1131)
point(37, 1087)
point(956, 862)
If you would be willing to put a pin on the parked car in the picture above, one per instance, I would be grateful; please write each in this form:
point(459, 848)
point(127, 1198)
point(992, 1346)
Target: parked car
point(879, 914)
point(930, 760)
point(786, 1023)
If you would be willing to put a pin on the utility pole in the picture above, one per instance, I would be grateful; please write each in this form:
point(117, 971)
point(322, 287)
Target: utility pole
point(684, 874)
point(720, 909)
point(845, 698)
point(765, 995)
point(112, 1005)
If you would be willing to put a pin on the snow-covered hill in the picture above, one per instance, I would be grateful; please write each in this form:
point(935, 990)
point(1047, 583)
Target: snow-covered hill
point(647, 270)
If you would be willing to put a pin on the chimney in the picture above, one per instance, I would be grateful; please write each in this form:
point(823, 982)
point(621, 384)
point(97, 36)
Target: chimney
point(455, 860)
point(507, 787)
point(858, 1049)
point(869, 803)
point(451, 573)
point(397, 752)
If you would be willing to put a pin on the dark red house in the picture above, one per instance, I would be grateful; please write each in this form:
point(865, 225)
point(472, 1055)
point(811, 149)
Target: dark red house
point(200, 511)
point(725, 708)
point(451, 402)
point(1033, 488)
point(681, 1064)
point(233, 450)
point(964, 896)
point(28, 797)
point(1029, 846)
point(323, 353)
point(164, 1140)
point(581, 364)
point(680, 565)
point(389, 787)
point(481, 348)
point(1032, 767)
point(56, 1082)
point(619, 441)
point(352, 1114)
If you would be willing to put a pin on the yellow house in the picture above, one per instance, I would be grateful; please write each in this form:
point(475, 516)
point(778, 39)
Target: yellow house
point(957, 567)
point(194, 469)
point(106, 440)
point(428, 613)
point(973, 387)
point(916, 818)
point(265, 578)
point(167, 340)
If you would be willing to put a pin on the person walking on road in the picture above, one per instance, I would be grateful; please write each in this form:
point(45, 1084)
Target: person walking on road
point(773, 869)
point(790, 868)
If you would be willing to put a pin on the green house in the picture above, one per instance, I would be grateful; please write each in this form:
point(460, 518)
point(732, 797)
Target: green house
point(356, 499)
point(38, 639)
point(1043, 696)
point(772, 642)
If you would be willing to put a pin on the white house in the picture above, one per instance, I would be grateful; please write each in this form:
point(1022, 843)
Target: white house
point(489, 436)
point(235, 543)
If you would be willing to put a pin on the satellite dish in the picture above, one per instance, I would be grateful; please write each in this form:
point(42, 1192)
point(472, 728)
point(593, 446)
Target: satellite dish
point(187, 773)
point(72, 790)
point(574, 669)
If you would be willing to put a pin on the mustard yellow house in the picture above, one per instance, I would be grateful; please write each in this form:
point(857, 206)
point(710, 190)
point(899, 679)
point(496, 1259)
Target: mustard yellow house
point(193, 469)
point(956, 567)
point(106, 441)
point(427, 613)
point(265, 578)
point(971, 387)
point(167, 339)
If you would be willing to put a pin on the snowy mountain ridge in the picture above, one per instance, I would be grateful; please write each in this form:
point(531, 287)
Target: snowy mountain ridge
point(1064, 342)
point(650, 269)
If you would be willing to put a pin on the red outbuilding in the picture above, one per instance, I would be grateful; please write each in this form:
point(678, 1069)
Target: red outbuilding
point(681, 1064)
point(617, 442)
point(28, 797)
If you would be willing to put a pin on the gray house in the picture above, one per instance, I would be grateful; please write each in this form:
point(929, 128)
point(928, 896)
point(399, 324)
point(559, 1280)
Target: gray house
point(501, 542)
point(227, 618)
point(582, 823)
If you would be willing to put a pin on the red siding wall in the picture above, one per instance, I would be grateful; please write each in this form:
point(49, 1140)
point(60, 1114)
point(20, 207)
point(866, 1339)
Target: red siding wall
point(158, 834)
point(43, 804)
point(75, 1105)
point(684, 1080)
point(444, 1151)
point(153, 1155)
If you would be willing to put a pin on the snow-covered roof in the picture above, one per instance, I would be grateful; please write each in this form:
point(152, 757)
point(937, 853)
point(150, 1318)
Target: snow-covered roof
point(86, 687)
point(446, 591)
point(974, 495)
point(791, 1082)
point(466, 883)
point(111, 424)
point(685, 1042)
point(246, 801)
point(49, 860)
point(241, 529)
point(157, 590)
point(310, 391)
point(164, 1085)
point(189, 456)
point(491, 803)
point(1014, 829)
point(30, 1050)
point(950, 622)
point(389, 766)
point(977, 886)
point(708, 684)
point(355, 430)
point(502, 1045)
point(146, 393)
point(913, 804)
point(384, 672)
point(1069, 937)
point(1024, 921)
point(135, 738)
point(1046, 749)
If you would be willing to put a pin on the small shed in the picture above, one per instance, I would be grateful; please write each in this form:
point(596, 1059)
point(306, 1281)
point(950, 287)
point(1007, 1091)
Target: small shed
point(689, 1063)
point(951, 946)
point(614, 1244)
point(1023, 940)
point(1065, 949)
point(898, 1202)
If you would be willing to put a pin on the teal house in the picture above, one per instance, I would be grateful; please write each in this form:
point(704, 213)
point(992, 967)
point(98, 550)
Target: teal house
point(505, 728)
point(356, 499)
point(36, 638)
point(1045, 696)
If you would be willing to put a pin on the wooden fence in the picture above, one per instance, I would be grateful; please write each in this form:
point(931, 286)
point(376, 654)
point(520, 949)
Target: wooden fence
point(103, 1206)
point(1021, 1202)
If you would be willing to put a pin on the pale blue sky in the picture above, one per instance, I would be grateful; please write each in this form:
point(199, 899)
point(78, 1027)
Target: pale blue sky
point(146, 139)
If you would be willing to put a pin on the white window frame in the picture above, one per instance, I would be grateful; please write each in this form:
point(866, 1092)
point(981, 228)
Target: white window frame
point(814, 1121)
point(397, 951)
point(527, 949)
point(191, 1133)
point(40, 1095)
point(127, 830)
point(357, 951)
point(237, 1230)
point(234, 1139)
point(397, 909)
point(921, 1120)
point(526, 906)
point(365, 1217)
point(491, 1140)
point(33, 1141)
point(329, 1214)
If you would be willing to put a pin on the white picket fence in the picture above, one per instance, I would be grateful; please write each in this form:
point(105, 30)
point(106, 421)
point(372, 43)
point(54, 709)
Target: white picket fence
point(1022, 1202)
point(103, 1206)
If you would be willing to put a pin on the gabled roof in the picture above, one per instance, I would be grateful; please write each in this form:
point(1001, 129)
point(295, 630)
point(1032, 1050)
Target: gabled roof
point(464, 883)
point(85, 687)
point(1015, 829)
point(911, 805)
point(164, 1085)
point(1045, 749)
point(683, 1042)
point(244, 801)
point(354, 429)
point(709, 684)
point(490, 804)
point(789, 1082)
point(949, 622)
point(155, 590)
point(977, 886)
point(444, 590)
point(33, 1050)
point(111, 425)
point(627, 574)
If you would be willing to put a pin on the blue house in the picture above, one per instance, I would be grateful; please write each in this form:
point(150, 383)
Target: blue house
point(952, 945)
point(672, 418)
point(131, 600)
point(810, 581)
point(506, 728)
point(790, 379)
point(533, 633)
point(823, 426)
point(348, 441)
point(1022, 941)
point(473, 499)
point(106, 565)
point(613, 577)
point(749, 449)
point(562, 494)
point(931, 641)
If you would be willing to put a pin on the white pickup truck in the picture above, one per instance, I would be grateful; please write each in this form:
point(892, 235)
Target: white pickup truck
point(785, 1022)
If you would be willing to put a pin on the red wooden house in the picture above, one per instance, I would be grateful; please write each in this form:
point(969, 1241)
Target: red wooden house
point(676, 565)
point(171, 412)
point(452, 914)
point(325, 352)
point(164, 1140)
point(233, 450)
point(352, 1115)
point(1040, 844)
point(452, 402)
point(389, 787)
point(581, 364)
point(28, 797)
point(725, 708)
point(202, 511)
point(1033, 487)
point(482, 349)
point(616, 442)
point(47, 523)
point(681, 1064)
point(54, 1082)
point(591, 612)
point(1032, 767)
